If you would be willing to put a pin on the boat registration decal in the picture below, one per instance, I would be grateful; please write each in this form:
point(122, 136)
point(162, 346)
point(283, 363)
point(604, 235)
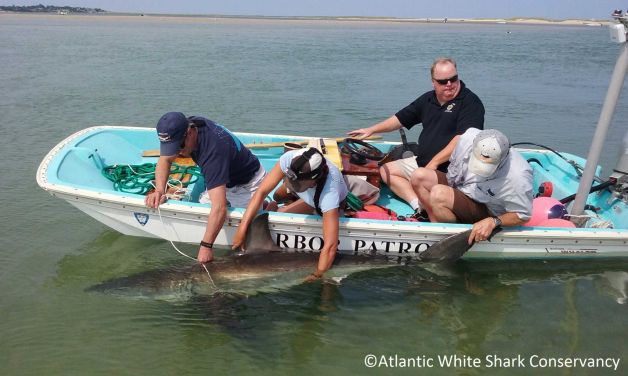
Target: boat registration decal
point(569, 251)
point(142, 218)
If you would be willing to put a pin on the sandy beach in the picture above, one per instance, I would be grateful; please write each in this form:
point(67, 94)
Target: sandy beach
point(183, 18)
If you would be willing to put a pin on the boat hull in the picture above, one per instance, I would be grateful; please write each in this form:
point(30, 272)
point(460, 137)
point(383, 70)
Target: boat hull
point(296, 232)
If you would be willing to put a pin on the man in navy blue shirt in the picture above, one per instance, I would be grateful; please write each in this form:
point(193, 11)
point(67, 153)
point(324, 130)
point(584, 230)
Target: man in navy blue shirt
point(445, 113)
point(232, 173)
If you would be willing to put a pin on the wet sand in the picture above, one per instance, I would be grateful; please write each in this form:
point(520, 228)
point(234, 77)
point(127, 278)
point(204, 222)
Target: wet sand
point(319, 20)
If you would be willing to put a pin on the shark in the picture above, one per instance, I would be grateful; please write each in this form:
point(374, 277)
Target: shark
point(261, 266)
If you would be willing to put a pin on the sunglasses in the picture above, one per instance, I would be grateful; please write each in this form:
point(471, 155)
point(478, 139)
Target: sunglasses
point(444, 81)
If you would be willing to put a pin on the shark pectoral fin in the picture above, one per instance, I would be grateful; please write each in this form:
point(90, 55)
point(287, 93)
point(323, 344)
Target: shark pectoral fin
point(258, 238)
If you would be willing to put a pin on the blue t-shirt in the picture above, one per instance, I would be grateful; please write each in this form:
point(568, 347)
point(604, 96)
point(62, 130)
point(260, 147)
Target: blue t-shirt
point(334, 191)
point(223, 159)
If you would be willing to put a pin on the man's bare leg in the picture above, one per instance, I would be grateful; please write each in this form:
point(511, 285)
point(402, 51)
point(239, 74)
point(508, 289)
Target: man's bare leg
point(422, 181)
point(442, 203)
point(395, 178)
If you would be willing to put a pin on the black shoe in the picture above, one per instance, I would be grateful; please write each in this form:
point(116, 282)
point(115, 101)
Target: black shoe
point(420, 215)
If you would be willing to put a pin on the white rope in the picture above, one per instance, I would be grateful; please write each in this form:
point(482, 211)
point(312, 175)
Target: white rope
point(136, 173)
point(180, 193)
point(602, 224)
point(594, 220)
point(177, 249)
point(185, 255)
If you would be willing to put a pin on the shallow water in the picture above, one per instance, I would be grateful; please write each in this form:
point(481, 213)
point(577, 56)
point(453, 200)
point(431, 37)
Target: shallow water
point(61, 74)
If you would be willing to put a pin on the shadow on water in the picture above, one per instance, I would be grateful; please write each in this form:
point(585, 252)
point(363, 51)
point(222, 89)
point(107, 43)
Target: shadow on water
point(112, 254)
point(539, 304)
point(272, 324)
point(471, 305)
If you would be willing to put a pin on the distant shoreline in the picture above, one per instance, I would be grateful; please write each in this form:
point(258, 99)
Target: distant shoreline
point(241, 18)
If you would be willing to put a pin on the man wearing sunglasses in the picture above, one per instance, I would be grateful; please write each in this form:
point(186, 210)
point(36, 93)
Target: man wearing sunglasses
point(445, 113)
point(231, 172)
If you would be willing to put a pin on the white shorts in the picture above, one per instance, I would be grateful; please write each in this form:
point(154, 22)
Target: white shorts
point(239, 196)
point(407, 166)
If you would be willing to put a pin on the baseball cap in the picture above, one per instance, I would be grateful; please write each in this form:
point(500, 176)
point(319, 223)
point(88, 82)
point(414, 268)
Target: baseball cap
point(171, 129)
point(306, 164)
point(490, 148)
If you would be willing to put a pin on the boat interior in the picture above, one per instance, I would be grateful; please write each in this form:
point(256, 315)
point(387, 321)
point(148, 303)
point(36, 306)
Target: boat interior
point(79, 163)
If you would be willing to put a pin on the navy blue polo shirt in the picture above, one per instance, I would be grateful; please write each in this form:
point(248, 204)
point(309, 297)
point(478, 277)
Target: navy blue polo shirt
point(442, 123)
point(223, 159)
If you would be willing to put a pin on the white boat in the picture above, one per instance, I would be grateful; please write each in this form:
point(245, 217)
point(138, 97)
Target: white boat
point(72, 171)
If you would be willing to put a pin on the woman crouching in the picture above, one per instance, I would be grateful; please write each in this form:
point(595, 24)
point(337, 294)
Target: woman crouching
point(320, 188)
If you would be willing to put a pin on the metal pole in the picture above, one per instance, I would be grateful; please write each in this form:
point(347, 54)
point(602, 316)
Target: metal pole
point(608, 109)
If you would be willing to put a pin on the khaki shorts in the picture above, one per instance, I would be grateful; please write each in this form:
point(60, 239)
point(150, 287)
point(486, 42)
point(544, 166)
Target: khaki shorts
point(239, 196)
point(407, 166)
point(466, 209)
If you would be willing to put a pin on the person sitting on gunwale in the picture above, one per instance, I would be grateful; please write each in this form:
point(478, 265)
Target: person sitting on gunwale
point(487, 183)
point(445, 113)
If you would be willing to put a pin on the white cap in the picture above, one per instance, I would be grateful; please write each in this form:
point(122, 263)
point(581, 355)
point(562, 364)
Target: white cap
point(306, 164)
point(490, 148)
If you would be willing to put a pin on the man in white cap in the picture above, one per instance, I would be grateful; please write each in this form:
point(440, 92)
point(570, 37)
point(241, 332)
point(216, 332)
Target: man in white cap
point(321, 189)
point(487, 184)
point(231, 172)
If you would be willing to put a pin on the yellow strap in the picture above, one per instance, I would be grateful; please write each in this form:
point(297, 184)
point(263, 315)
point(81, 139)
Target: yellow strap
point(329, 148)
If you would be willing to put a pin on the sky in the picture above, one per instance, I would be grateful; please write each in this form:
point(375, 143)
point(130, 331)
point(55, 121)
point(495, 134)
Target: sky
point(551, 9)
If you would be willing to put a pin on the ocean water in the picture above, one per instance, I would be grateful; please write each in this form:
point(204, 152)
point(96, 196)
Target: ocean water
point(60, 74)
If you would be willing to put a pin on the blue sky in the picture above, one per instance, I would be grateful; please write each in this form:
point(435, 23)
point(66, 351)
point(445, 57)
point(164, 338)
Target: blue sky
point(554, 9)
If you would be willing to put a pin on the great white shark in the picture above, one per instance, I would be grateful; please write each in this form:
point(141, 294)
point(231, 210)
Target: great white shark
point(261, 266)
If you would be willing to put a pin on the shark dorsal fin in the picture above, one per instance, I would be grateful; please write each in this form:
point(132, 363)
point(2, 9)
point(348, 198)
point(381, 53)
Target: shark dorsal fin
point(258, 238)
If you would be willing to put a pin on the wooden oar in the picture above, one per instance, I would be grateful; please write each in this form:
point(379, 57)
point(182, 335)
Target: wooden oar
point(451, 248)
point(155, 152)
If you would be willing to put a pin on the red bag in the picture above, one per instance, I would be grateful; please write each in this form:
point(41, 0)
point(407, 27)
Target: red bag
point(376, 212)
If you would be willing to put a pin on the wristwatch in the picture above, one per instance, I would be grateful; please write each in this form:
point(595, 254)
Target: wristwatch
point(498, 221)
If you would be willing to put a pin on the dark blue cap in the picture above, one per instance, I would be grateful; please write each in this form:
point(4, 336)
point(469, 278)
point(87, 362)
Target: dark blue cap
point(171, 129)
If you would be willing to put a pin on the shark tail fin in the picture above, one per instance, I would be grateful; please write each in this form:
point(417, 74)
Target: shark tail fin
point(450, 248)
